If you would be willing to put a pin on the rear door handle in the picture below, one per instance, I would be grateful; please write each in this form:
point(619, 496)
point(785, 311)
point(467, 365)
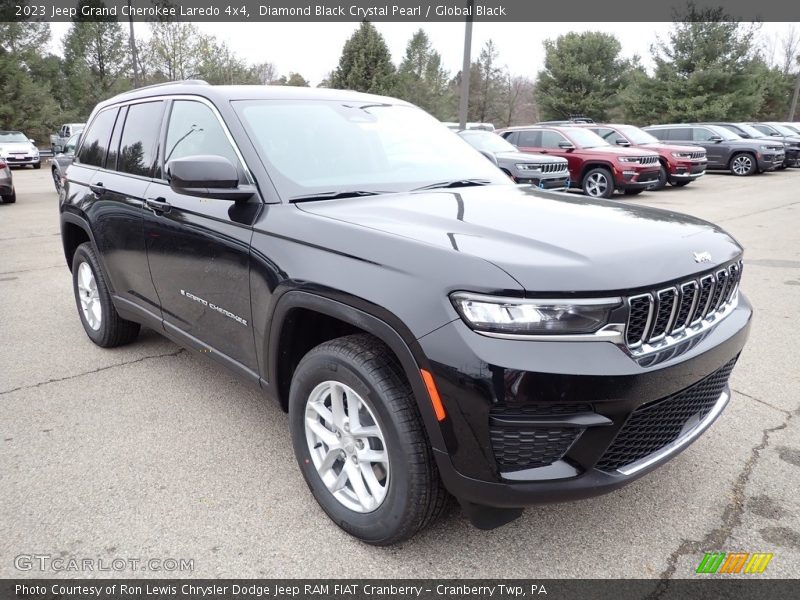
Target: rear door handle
point(158, 205)
point(97, 188)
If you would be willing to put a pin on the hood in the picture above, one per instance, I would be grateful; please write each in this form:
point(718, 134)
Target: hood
point(548, 242)
point(656, 146)
point(527, 157)
point(17, 146)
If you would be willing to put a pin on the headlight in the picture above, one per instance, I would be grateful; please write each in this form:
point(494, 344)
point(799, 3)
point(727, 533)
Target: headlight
point(524, 316)
point(681, 154)
point(629, 159)
point(527, 167)
point(35, 151)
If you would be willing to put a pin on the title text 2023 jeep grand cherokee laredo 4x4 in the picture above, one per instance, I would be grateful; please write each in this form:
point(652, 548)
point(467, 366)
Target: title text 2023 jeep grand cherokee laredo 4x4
point(595, 166)
point(429, 325)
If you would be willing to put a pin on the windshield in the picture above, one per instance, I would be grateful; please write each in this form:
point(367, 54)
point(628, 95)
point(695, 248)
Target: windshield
point(793, 127)
point(782, 130)
point(323, 146)
point(69, 147)
point(724, 133)
point(12, 136)
point(585, 138)
point(638, 136)
point(750, 130)
point(488, 142)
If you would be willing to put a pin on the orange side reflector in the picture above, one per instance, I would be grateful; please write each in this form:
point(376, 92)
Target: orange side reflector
point(436, 401)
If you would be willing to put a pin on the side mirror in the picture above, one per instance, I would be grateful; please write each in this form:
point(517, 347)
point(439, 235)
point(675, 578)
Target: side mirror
point(207, 176)
point(565, 145)
point(774, 134)
point(715, 138)
point(621, 142)
point(31, 140)
point(490, 157)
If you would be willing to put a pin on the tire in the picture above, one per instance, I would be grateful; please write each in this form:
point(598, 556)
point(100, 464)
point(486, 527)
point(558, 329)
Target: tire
point(509, 175)
point(598, 183)
point(56, 180)
point(10, 198)
point(633, 192)
point(742, 164)
point(680, 183)
point(405, 493)
point(661, 182)
point(100, 319)
point(37, 165)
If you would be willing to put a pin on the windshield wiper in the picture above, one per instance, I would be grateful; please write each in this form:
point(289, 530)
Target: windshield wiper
point(453, 183)
point(335, 195)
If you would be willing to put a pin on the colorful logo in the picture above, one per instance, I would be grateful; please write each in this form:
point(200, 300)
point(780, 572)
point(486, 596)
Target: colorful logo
point(734, 562)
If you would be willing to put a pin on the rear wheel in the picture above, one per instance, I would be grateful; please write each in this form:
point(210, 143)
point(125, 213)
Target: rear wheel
point(360, 441)
point(10, 198)
point(743, 164)
point(598, 183)
point(98, 316)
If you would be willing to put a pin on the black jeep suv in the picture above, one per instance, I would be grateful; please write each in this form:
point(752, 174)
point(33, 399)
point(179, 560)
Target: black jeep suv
point(429, 326)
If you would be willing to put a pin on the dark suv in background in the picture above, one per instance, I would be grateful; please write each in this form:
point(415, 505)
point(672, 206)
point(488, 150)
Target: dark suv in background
point(429, 326)
point(791, 140)
point(724, 149)
point(595, 166)
point(680, 165)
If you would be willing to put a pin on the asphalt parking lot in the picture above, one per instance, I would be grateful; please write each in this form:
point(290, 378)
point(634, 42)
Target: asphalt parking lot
point(150, 451)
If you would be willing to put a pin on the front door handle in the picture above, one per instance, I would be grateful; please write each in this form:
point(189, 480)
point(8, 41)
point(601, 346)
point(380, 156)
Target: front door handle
point(158, 205)
point(98, 188)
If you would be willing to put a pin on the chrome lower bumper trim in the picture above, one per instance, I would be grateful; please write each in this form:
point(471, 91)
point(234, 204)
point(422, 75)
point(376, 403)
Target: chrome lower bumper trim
point(683, 441)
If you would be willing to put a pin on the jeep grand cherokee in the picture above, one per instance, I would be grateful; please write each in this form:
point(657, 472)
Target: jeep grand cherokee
point(429, 326)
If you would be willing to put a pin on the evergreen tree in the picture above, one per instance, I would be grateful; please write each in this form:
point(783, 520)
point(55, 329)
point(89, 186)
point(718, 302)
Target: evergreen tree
point(582, 74)
point(365, 64)
point(421, 79)
point(96, 60)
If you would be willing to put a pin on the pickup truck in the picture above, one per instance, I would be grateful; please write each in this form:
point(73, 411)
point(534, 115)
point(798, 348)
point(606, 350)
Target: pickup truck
point(66, 131)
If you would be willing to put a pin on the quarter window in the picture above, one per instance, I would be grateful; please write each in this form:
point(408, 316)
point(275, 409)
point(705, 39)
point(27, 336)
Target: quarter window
point(138, 148)
point(95, 141)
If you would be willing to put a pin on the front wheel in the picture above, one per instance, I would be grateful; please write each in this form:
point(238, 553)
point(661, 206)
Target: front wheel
point(633, 192)
point(598, 183)
point(37, 165)
point(360, 441)
point(743, 164)
point(661, 182)
point(56, 180)
point(680, 183)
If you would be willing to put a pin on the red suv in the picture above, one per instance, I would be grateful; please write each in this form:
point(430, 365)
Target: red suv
point(679, 164)
point(595, 166)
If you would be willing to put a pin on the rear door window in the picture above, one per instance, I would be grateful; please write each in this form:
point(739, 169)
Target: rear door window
point(96, 139)
point(529, 139)
point(138, 148)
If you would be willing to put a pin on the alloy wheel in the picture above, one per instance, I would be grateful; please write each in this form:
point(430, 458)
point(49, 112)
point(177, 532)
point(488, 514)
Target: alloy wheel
point(347, 446)
point(596, 185)
point(742, 165)
point(89, 297)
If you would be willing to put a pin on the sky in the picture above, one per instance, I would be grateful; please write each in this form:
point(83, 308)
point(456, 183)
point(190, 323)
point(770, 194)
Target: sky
point(313, 49)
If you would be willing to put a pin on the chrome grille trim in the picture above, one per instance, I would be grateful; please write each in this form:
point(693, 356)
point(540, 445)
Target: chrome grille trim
point(713, 297)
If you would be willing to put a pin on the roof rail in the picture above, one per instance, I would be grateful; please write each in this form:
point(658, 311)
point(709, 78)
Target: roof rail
point(182, 82)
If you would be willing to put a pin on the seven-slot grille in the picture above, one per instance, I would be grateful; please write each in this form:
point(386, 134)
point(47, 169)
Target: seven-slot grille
point(697, 155)
point(556, 167)
point(655, 315)
point(646, 160)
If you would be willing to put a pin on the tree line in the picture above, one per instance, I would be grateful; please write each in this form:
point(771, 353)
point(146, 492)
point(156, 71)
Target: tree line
point(707, 68)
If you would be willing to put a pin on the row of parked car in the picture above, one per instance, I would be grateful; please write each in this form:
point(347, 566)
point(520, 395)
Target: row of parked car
point(601, 158)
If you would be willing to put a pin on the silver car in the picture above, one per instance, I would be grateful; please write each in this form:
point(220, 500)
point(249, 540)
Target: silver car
point(18, 150)
point(546, 172)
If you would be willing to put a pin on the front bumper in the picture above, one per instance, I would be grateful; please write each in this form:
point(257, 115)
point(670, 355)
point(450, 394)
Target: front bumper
point(547, 182)
point(592, 387)
point(770, 161)
point(14, 161)
point(635, 178)
point(687, 171)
